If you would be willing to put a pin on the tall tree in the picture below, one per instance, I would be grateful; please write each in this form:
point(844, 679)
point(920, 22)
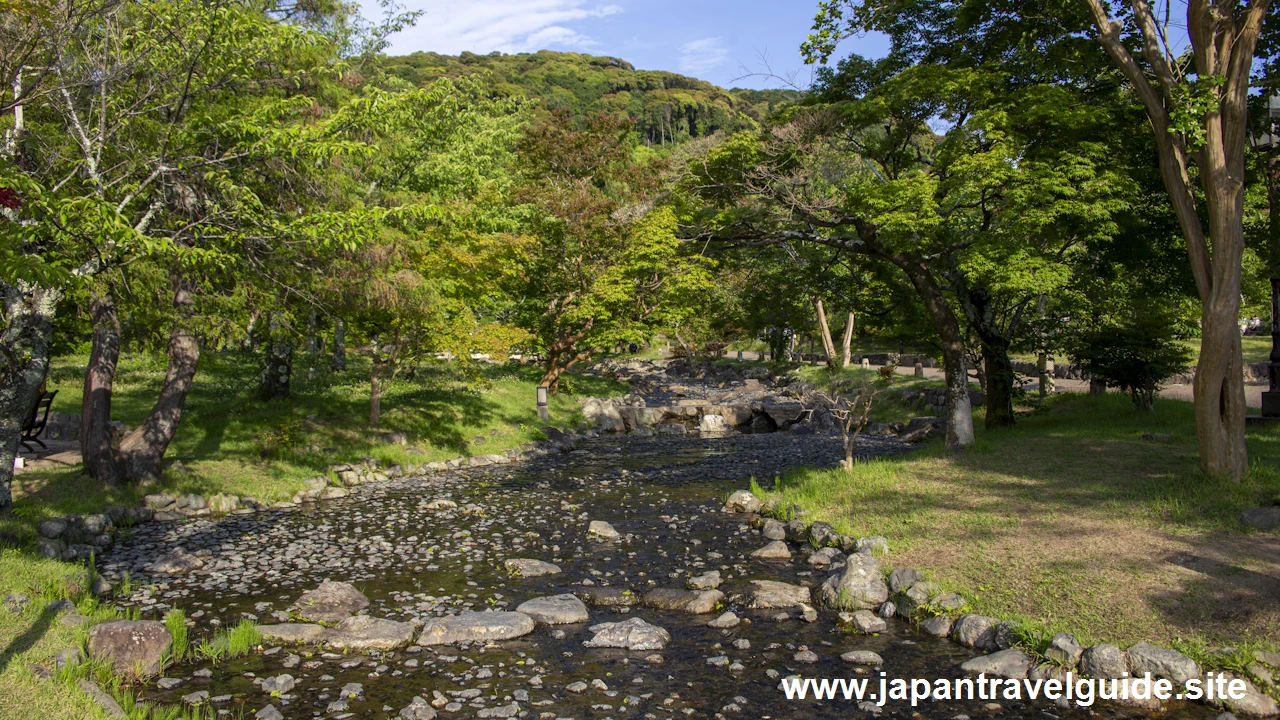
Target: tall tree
point(1198, 112)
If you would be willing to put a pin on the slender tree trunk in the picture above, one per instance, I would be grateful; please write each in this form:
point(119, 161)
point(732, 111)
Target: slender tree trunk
point(313, 344)
point(339, 361)
point(375, 392)
point(277, 370)
point(959, 407)
point(827, 344)
point(142, 451)
point(846, 346)
point(26, 338)
point(95, 409)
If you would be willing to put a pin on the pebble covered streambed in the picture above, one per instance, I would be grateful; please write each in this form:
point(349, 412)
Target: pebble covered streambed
point(429, 546)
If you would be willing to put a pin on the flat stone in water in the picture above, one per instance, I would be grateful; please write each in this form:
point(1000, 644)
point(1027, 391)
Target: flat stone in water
point(528, 567)
point(368, 633)
point(725, 621)
point(555, 609)
point(298, 633)
point(766, 594)
point(602, 529)
point(694, 603)
point(631, 634)
point(1011, 663)
point(776, 550)
point(862, 657)
point(609, 597)
point(330, 602)
point(471, 627)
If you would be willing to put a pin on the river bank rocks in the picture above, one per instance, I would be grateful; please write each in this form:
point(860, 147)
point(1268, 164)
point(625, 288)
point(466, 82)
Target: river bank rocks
point(133, 648)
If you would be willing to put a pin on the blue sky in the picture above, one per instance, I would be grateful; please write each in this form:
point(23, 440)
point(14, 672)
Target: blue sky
point(717, 40)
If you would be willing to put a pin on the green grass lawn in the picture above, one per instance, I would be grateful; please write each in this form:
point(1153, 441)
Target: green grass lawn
point(1072, 521)
point(230, 441)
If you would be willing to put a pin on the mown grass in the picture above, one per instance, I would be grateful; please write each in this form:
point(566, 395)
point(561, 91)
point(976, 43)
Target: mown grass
point(1072, 521)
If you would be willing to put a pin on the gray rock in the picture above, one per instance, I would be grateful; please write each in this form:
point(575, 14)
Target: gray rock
point(975, 631)
point(69, 657)
point(419, 709)
point(1104, 662)
point(1065, 650)
point(602, 529)
point(902, 578)
point(1161, 662)
point(774, 530)
point(177, 561)
point(471, 627)
point(631, 634)
point(797, 531)
point(743, 501)
point(52, 529)
point(279, 684)
point(873, 545)
point(16, 602)
point(609, 597)
point(169, 683)
point(1011, 663)
point(937, 626)
point(527, 567)
point(1253, 704)
point(764, 594)
point(949, 601)
point(825, 557)
point(705, 581)
point(858, 587)
point(694, 603)
point(502, 711)
point(362, 632)
point(866, 622)
point(330, 602)
point(269, 713)
point(555, 609)
point(109, 706)
point(823, 535)
point(196, 698)
point(725, 621)
point(776, 550)
point(1263, 518)
point(296, 633)
point(133, 647)
point(862, 657)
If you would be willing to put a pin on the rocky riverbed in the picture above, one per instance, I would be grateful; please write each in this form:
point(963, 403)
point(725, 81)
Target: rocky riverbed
point(423, 551)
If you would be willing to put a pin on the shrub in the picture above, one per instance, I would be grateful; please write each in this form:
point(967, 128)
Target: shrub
point(1137, 356)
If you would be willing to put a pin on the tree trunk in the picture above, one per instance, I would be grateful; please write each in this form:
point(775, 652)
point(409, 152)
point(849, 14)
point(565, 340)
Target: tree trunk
point(95, 408)
point(1219, 391)
point(959, 408)
point(827, 344)
point(375, 393)
point(277, 368)
point(1097, 387)
point(1000, 382)
point(846, 346)
point(142, 451)
point(26, 338)
point(339, 361)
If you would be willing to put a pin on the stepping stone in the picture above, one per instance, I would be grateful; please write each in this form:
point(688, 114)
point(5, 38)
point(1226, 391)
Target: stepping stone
point(742, 501)
point(862, 657)
point(694, 603)
point(1011, 663)
point(858, 587)
point(176, 562)
point(563, 609)
point(295, 633)
point(764, 594)
point(469, 627)
point(705, 581)
point(526, 567)
point(631, 634)
point(609, 597)
point(369, 633)
point(866, 622)
point(776, 550)
point(330, 602)
point(725, 621)
point(602, 529)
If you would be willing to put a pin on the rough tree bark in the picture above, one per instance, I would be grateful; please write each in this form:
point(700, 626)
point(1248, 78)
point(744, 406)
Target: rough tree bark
point(1223, 39)
point(959, 407)
point(95, 408)
point(846, 345)
point(25, 342)
point(142, 451)
point(825, 330)
point(277, 369)
point(339, 361)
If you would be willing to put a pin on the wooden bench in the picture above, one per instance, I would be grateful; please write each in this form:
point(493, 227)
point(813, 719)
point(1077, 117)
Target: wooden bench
point(35, 423)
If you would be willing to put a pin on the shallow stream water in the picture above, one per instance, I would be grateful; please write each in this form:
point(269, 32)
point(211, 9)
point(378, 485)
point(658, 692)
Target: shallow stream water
point(664, 495)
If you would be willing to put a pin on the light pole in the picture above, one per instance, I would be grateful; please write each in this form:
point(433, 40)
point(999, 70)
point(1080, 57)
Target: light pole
point(543, 411)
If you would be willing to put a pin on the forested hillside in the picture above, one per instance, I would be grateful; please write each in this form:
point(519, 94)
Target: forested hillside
point(667, 108)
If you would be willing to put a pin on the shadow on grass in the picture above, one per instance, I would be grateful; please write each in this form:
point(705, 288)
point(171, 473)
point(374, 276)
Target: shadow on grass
point(28, 638)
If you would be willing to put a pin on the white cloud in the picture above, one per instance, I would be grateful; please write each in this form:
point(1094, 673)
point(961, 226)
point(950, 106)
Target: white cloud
point(702, 56)
point(483, 26)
